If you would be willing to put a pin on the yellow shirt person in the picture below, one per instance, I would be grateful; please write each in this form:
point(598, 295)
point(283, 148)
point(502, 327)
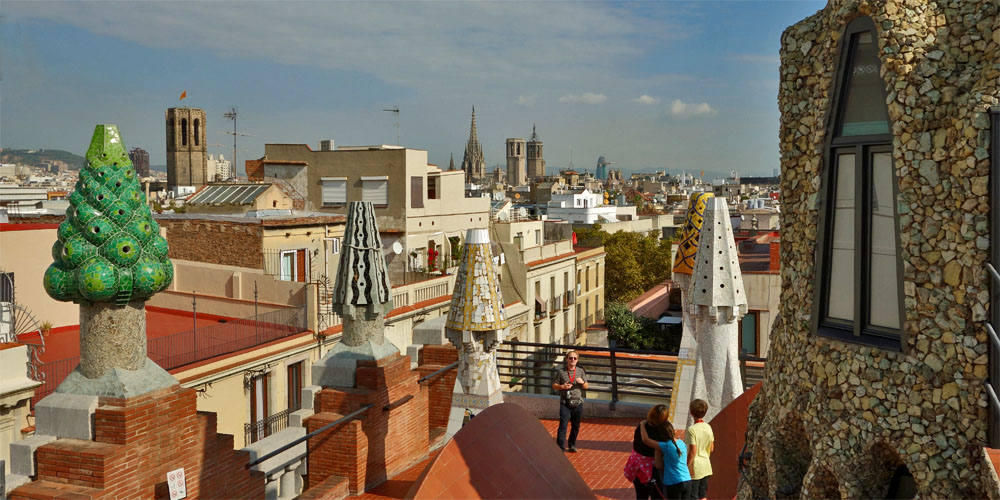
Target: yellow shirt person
point(701, 442)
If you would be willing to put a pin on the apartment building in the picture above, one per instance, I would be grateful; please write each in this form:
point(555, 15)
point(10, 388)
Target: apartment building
point(581, 206)
point(541, 274)
point(589, 265)
point(418, 205)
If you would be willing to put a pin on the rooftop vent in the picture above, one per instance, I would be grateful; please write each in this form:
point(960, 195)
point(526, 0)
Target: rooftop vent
point(326, 145)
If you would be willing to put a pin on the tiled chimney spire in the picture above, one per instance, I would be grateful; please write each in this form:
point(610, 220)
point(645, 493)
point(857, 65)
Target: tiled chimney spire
point(362, 297)
point(477, 323)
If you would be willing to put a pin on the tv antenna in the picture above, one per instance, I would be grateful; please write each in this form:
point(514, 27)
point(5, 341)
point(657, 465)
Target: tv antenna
point(231, 115)
point(395, 110)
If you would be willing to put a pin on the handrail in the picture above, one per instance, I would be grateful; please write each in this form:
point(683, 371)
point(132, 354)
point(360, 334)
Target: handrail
point(438, 372)
point(582, 348)
point(342, 420)
point(994, 401)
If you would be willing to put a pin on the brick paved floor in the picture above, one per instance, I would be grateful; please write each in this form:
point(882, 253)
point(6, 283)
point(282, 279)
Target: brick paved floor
point(604, 444)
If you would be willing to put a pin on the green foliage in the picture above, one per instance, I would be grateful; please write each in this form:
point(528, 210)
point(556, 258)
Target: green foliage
point(634, 264)
point(635, 332)
point(109, 248)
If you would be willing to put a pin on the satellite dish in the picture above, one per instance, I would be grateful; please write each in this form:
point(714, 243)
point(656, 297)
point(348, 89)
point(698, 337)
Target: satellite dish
point(522, 212)
point(517, 196)
point(397, 248)
point(503, 216)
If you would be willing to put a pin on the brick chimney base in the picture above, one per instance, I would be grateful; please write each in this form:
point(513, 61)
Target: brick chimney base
point(384, 441)
point(137, 441)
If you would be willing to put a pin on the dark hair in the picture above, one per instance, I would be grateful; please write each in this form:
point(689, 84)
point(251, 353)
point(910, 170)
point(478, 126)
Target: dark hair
point(669, 428)
point(699, 408)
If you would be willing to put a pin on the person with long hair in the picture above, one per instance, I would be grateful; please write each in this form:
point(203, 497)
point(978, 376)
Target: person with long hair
point(671, 458)
point(640, 468)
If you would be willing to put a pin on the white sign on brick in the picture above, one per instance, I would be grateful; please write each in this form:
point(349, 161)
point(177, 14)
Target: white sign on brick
point(177, 484)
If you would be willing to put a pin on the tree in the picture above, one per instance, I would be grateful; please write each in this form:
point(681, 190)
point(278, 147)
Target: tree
point(109, 248)
point(634, 263)
point(635, 332)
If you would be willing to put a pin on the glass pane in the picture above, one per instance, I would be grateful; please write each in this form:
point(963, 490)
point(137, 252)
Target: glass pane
point(840, 295)
point(884, 283)
point(287, 264)
point(864, 109)
point(748, 335)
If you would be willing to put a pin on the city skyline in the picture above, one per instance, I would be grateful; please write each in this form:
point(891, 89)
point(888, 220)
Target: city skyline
point(650, 85)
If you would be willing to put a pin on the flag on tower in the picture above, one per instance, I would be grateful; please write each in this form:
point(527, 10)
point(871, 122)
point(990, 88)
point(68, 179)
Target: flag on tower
point(183, 95)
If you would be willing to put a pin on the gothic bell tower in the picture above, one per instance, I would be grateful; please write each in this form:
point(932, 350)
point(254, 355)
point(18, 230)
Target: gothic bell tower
point(187, 156)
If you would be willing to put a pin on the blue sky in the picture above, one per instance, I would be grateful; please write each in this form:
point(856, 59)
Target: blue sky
point(650, 85)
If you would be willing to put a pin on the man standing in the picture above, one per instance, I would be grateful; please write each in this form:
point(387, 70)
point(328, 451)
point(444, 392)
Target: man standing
point(570, 382)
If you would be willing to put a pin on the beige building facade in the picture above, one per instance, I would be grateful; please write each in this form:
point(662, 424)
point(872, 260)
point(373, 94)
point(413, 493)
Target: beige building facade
point(418, 206)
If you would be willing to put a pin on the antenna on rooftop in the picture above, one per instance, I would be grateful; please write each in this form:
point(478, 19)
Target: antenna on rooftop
point(395, 110)
point(231, 115)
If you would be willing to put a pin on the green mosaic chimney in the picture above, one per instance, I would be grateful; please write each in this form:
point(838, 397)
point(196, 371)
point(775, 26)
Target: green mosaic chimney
point(109, 248)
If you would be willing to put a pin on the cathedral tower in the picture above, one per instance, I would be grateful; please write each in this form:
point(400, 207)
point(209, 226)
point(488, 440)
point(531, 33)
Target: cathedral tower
point(536, 162)
point(517, 175)
point(473, 163)
point(187, 156)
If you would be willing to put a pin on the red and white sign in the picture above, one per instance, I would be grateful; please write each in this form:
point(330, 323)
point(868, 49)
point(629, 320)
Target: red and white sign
point(177, 484)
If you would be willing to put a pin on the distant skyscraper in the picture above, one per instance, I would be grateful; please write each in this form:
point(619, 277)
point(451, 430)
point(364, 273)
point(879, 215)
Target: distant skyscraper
point(140, 161)
point(187, 153)
point(473, 163)
point(536, 162)
point(517, 174)
point(602, 168)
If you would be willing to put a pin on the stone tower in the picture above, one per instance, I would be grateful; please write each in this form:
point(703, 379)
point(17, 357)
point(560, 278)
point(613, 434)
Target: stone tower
point(473, 163)
point(536, 162)
point(517, 174)
point(878, 376)
point(187, 149)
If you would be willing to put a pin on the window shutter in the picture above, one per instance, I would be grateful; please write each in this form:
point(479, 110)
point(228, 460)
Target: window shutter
point(334, 191)
point(417, 192)
point(375, 191)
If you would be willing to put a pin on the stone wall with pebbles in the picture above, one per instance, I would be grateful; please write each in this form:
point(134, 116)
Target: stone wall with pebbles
point(837, 419)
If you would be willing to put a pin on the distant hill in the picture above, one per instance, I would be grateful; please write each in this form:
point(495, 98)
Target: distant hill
point(35, 157)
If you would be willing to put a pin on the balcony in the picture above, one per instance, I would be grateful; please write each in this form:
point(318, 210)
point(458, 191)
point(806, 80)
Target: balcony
point(541, 310)
point(263, 428)
point(555, 303)
point(569, 298)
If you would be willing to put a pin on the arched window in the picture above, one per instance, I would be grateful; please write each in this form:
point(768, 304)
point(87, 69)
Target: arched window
point(184, 132)
point(197, 131)
point(858, 260)
point(172, 133)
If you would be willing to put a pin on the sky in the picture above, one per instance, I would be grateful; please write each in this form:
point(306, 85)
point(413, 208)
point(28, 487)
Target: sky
point(650, 85)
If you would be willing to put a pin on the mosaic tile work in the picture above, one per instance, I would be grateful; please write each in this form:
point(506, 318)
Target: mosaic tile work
point(109, 248)
point(687, 249)
point(476, 304)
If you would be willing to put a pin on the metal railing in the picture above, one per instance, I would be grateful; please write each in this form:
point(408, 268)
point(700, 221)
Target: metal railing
point(341, 421)
point(569, 298)
point(541, 309)
point(555, 304)
point(179, 349)
point(993, 377)
point(530, 367)
point(255, 431)
point(55, 372)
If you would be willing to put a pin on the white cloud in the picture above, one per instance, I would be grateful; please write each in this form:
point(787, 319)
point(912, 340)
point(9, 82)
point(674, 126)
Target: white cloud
point(681, 108)
point(526, 100)
point(415, 44)
point(646, 99)
point(585, 98)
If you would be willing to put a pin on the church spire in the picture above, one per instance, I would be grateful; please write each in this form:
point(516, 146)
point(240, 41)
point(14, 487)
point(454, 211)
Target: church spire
point(473, 162)
point(451, 162)
point(534, 135)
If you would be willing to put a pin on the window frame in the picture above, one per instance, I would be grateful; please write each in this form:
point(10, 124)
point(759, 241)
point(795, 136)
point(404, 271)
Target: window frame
point(863, 147)
point(322, 191)
point(384, 179)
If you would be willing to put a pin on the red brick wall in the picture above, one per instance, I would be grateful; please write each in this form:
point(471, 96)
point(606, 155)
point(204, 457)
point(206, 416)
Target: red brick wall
point(381, 443)
point(441, 387)
point(215, 242)
point(136, 443)
point(255, 170)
